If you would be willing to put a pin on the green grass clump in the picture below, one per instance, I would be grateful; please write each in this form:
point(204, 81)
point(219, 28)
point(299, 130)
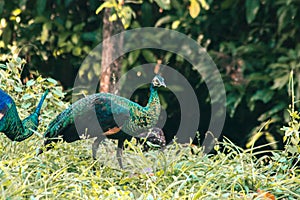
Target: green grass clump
point(69, 172)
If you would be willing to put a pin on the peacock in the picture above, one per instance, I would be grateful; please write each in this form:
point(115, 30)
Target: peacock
point(11, 124)
point(116, 118)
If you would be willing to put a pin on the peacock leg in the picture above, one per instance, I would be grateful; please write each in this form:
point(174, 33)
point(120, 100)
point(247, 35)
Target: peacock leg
point(95, 147)
point(120, 152)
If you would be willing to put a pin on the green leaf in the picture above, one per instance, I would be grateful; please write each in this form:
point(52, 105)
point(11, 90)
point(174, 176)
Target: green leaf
point(292, 149)
point(165, 20)
point(16, 12)
point(3, 66)
point(40, 6)
point(227, 4)
point(40, 19)
point(68, 24)
point(76, 51)
point(75, 38)
point(149, 56)
point(126, 15)
point(68, 2)
point(179, 58)
point(26, 96)
point(26, 105)
point(89, 36)
point(106, 4)
point(263, 95)
point(204, 4)
point(51, 80)
point(6, 35)
point(252, 7)
point(164, 4)
point(57, 92)
point(194, 8)
point(280, 81)
point(232, 102)
point(79, 27)
point(30, 83)
point(272, 111)
point(62, 37)
point(1, 6)
point(18, 89)
point(175, 24)
point(45, 32)
point(133, 56)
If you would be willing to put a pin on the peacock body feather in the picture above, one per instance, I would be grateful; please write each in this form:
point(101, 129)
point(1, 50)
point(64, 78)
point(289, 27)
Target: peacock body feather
point(11, 124)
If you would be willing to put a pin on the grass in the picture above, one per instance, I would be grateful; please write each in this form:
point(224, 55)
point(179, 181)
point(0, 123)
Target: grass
point(69, 172)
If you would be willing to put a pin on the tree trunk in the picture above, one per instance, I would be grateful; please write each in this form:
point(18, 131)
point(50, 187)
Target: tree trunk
point(110, 72)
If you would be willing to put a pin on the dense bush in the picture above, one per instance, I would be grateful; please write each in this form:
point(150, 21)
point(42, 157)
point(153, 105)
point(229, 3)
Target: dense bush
point(26, 96)
point(68, 171)
point(253, 42)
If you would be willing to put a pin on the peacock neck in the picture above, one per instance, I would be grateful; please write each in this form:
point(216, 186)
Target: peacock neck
point(20, 130)
point(153, 102)
point(13, 124)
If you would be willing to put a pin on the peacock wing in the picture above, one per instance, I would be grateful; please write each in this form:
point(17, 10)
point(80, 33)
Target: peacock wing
point(111, 113)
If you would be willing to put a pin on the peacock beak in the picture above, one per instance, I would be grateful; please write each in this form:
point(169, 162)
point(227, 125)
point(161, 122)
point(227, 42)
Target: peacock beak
point(163, 84)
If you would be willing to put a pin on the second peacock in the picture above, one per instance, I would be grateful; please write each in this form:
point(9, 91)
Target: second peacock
point(11, 124)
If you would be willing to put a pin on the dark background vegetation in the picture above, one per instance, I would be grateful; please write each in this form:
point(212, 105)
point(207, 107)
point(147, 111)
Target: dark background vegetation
point(255, 44)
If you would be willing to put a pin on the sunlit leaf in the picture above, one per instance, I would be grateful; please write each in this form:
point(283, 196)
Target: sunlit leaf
point(76, 51)
point(16, 12)
point(106, 4)
point(164, 4)
point(164, 20)
point(194, 8)
point(30, 83)
point(58, 93)
point(51, 80)
point(18, 89)
point(204, 4)
point(26, 96)
point(175, 24)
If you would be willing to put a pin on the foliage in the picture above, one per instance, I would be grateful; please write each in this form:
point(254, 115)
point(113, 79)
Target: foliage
point(27, 95)
point(255, 61)
point(259, 62)
point(255, 44)
point(122, 12)
point(291, 135)
point(68, 170)
point(50, 35)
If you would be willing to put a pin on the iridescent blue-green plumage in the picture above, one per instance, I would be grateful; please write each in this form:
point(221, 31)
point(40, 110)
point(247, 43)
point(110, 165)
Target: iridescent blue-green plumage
point(11, 124)
point(107, 114)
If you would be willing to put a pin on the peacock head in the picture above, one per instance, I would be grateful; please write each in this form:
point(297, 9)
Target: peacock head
point(158, 81)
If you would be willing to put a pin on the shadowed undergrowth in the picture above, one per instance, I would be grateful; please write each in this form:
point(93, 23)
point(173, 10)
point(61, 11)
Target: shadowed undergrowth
point(68, 171)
